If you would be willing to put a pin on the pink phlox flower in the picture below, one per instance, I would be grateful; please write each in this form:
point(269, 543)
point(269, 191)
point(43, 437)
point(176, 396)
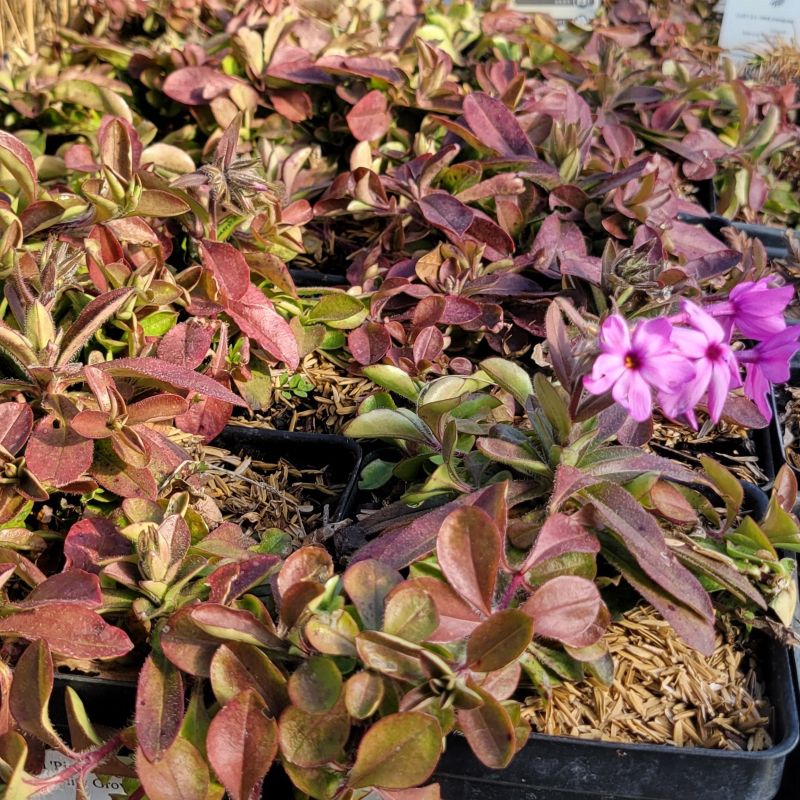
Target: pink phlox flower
point(769, 362)
point(755, 308)
point(707, 346)
point(631, 365)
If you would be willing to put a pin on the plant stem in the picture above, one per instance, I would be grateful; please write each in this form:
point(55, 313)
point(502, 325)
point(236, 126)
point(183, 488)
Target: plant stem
point(84, 764)
point(511, 590)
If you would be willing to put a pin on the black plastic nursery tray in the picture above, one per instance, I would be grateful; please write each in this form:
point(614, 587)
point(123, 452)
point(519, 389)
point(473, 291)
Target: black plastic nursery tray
point(339, 454)
point(562, 768)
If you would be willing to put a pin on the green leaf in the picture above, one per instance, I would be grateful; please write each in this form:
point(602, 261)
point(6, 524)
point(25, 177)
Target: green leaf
point(727, 486)
point(397, 752)
point(554, 406)
point(368, 584)
point(376, 474)
point(410, 614)
point(509, 376)
point(384, 423)
point(338, 310)
point(316, 685)
point(158, 323)
point(363, 694)
point(393, 379)
point(312, 740)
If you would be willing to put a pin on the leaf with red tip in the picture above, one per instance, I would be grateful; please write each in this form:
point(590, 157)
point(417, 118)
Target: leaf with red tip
point(16, 424)
point(159, 706)
point(230, 581)
point(560, 534)
point(173, 375)
point(457, 619)
point(369, 118)
point(568, 609)
point(69, 629)
point(228, 267)
point(242, 743)
point(468, 549)
point(311, 563)
point(17, 159)
point(256, 318)
point(187, 344)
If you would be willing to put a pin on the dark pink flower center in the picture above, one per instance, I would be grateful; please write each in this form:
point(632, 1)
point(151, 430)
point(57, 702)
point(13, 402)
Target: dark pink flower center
point(714, 352)
point(632, 360)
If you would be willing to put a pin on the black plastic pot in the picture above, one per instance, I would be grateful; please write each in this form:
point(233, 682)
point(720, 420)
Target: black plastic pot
point(310, 277)
point(562, 768)
point(340, 454)
point(773, 239)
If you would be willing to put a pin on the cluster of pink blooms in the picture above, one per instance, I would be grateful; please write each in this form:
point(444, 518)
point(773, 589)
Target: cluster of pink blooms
point(686, 359)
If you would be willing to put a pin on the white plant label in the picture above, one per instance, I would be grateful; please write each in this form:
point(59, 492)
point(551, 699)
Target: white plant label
point(559, 9)
point(97, 787)
point(749, 26)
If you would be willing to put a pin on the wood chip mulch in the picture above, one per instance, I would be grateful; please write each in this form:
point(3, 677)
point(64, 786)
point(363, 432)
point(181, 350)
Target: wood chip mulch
point(663, 692)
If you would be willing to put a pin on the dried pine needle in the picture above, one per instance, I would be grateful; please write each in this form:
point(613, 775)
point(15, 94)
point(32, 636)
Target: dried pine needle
point(663, 692)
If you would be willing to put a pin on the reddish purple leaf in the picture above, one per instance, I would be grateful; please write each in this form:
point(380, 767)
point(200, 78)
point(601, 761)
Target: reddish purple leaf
point(91, 424)
point(568, 609)
point(167, 374)
point(469, 551)
point(206, 417)
point(230, 581)
point(242, 743)
point(311, 563)
point(121, 478)
point(187, 344)
point(158, 408)
point(75, 586)
point(228, 267)
point(56, 454)
point(16, 424)
point(560, 534)
point(197, 86)
point(369, 118)
point(489, 731)
point(369, 343)
point(293, 104)
point(428, 344)
point(446, 213)
point(92, 541)
point(459, 310)
point(159, 706)
point(256, 318)
point(69, 629)
point(495, 126)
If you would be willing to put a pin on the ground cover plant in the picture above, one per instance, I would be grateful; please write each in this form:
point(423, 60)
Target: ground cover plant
point(462, 232)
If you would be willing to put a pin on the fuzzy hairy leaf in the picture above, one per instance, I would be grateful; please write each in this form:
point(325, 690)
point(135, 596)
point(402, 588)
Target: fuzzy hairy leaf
point(159, 706)
point(180, 774)
point(242, 743)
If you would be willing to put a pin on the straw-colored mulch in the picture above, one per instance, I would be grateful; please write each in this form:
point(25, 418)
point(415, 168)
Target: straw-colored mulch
point(332, 400)
point(265, 497)
point(663, 693)
point(732, 446)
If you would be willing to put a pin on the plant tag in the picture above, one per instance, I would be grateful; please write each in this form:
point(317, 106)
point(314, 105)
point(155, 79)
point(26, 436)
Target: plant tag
point(748, 27)
point(559, 9)
point(98, 787)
